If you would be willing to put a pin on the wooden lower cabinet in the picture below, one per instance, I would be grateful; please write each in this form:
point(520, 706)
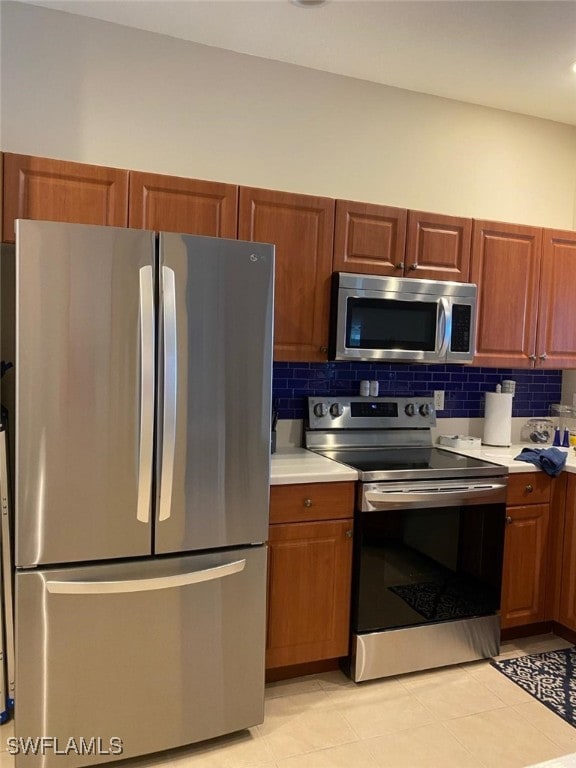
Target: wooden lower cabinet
point(567, 606)
point(309, 579)
point(524, 581)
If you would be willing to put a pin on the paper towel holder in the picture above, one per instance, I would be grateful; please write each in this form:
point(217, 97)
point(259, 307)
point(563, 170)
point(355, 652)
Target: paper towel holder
point(498, 419)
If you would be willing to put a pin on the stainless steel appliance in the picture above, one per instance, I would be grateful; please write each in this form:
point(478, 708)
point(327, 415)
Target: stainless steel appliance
point(140, 404)
point(428, 537)
point(401, 319)
point(7, 599)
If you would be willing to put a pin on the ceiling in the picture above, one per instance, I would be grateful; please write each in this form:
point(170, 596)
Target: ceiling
point(514, 55)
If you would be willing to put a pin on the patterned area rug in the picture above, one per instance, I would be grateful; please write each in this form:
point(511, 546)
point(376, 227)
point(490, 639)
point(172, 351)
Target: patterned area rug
point(549, 677)
point(440, 602)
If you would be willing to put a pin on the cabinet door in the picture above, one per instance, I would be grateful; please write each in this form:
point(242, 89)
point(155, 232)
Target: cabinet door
point(438, 246)
point(506, 266)
point(567, 612)
point(369, 239)
point(308, 592)
point(188, 206)
point(58, 190)
point(525, 563)
point(556, 344)
point(301, 227)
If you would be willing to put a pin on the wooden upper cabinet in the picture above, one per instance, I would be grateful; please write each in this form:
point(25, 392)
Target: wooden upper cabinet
point(301, 227)
point(58, 190)
point(369, 239)
point(506, 267)
point(175, 204)
point(380, 240)
point(556, 341)
point(438, 246)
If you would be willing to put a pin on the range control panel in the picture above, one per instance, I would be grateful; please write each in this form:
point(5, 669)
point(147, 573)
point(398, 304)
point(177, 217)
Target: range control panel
point(371, 412)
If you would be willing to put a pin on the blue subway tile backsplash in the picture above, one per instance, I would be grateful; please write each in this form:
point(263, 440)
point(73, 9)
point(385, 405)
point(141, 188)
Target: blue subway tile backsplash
point(464, 386)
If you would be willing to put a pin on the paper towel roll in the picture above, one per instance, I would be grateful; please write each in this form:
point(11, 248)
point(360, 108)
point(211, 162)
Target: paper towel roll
point(498, 419)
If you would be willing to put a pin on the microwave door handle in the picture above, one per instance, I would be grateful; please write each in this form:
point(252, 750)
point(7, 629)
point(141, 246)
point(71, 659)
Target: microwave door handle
point(445, 326)
point(146, 439)
point(170, 392)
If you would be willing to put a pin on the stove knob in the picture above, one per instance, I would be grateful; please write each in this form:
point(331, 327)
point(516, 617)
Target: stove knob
point(336, 409)
point(425, 409)
point(320, 409)
point(410, 410)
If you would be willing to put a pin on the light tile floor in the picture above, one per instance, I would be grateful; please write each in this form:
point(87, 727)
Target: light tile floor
point(467, 716)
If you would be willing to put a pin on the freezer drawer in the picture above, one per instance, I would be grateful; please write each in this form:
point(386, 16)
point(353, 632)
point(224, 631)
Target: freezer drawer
point(156, 653)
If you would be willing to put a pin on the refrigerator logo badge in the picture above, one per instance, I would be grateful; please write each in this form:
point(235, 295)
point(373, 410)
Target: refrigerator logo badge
point(43, 745)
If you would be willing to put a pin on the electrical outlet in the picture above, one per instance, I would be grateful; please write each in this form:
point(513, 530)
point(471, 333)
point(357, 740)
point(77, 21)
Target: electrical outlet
point(439, 399)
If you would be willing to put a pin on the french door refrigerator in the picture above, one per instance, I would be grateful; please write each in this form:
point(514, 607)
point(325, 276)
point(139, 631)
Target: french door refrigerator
point(140, 412)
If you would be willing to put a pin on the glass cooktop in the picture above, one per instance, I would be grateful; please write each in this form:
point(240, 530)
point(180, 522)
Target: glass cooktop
point(410, 463)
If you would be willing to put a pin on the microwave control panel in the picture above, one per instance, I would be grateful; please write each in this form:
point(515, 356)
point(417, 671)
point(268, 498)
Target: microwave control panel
point(461, 322)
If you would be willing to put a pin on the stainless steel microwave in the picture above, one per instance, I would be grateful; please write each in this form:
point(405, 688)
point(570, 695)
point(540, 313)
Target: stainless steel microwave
point(393, 319)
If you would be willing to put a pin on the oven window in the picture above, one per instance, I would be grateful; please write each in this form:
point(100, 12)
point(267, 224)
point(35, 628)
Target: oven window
point(391, 324)
point(422, 566)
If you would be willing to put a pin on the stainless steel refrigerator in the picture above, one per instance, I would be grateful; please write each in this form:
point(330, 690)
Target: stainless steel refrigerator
point(139, 411)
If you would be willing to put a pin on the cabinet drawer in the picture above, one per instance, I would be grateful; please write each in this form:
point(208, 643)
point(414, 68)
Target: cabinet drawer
point(528, 488)
point(311, 501)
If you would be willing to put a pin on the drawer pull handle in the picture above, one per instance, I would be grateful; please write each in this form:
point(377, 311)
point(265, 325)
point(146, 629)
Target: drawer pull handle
point(508, 520)
point(307, 502)
point(400, 265)
point(348, 534)
point(529, 488)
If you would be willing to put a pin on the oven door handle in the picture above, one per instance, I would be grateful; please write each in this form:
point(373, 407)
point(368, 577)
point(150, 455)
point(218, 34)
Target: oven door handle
point(382, 498)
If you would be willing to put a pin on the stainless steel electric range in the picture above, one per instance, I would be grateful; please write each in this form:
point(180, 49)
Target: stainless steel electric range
point(428, 536)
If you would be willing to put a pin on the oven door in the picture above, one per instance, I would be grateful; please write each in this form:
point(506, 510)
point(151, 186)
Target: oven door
point(427, 552)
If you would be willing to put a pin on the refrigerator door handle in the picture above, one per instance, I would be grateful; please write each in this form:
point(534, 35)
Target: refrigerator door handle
point(144, 585)
point(170, 392)
point(146, 394)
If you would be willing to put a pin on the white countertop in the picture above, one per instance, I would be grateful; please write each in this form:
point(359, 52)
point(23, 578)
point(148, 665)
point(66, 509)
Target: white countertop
point(297, 465)
point(505, 456)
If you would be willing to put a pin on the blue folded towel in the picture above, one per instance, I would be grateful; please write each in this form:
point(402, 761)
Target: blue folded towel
point(549, 460)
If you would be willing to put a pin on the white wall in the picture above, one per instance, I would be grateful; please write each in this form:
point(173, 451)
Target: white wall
point(90, 91)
